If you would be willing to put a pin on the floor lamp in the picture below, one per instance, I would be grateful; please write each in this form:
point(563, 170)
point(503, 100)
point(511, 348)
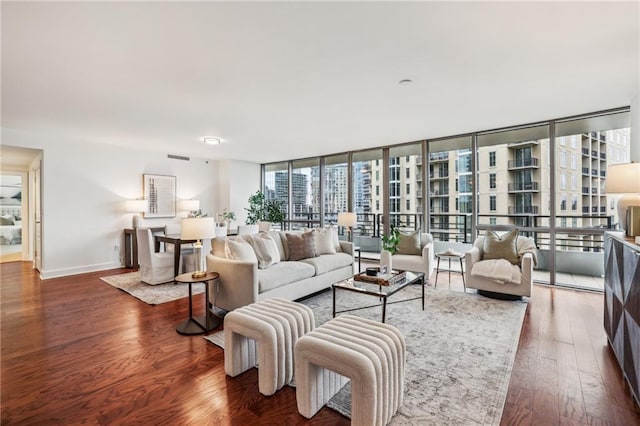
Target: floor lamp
point(348, 220)
point(624, 179)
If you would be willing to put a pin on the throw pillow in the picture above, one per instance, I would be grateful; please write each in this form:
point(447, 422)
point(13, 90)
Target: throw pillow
point(265, 249)
point(505, 247)
point(409, 243)
point(324, 241)
point(334, 236)
point(301, 246)
point(239, 249)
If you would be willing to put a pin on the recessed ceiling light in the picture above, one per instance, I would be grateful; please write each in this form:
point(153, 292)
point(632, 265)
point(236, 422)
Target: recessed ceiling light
point(212, 140)
point(405, 82)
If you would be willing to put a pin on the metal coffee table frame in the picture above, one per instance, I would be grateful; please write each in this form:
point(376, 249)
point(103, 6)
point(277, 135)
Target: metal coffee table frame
point(380, 291)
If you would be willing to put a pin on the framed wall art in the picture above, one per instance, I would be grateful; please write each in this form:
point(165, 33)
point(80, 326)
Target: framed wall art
point(160, 193)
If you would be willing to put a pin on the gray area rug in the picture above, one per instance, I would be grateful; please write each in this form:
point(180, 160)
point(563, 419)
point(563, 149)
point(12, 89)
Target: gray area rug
point(460, 353)
point(151, 294)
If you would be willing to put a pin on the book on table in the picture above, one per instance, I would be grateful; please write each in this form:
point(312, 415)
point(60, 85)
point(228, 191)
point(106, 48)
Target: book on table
point(380, 279)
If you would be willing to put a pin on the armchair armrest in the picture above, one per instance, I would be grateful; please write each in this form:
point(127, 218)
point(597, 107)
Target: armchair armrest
point(471, 257)
point(427, 258)
point(526, 266)
point(347, 247)
point(238, 283)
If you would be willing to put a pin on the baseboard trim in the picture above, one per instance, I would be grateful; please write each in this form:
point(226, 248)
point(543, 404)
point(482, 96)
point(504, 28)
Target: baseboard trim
point(57, 273)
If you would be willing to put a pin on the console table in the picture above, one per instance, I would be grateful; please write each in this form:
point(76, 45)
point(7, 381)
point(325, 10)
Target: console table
point(622, 305)
point(131, 246)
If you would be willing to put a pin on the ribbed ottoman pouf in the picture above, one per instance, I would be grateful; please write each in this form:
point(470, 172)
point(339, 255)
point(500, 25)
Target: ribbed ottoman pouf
point(265, 333)
point(369, 353)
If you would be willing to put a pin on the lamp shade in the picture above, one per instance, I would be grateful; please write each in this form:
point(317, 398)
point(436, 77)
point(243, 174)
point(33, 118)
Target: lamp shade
point(189, 205)
point(198, 228)
point(347, 219)
point(136, 206)
point(623, 179)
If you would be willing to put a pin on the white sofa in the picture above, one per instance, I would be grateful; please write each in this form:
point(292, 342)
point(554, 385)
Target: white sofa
point(244, 282)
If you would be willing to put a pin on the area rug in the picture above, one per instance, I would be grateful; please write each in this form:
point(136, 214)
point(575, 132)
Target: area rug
point(151, 294)
point(460, 353)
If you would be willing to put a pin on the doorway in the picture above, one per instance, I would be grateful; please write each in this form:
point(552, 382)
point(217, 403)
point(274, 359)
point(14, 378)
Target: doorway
point(11, 214)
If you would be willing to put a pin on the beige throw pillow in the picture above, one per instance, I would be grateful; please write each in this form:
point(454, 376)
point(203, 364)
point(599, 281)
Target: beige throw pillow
point(239, 249)
point(265, 249)
point(324, 241)
point(505, 247)
point(301, 246)
point(409, 243)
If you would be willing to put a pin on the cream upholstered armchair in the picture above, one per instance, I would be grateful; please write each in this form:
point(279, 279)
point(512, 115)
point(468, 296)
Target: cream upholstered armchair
point(501, 264)
point(155, 268)
point(415, 253)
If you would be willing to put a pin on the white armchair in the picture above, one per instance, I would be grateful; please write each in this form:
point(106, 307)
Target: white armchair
point(413, 262)
point(155, 268)
point(524, 284)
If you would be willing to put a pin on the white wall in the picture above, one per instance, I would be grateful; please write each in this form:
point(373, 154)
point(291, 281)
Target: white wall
point(238, 180)
point(635, 129)
point(84, 189)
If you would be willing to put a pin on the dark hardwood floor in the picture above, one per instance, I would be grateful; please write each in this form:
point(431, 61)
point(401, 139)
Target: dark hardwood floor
point(78, 351)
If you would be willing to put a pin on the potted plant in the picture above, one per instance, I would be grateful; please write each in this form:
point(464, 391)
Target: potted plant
point(389, 248)
point(262, 210)
point(226, 217)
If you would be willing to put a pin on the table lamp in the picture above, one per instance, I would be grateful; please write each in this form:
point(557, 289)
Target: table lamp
point(198, 228)
point(136, 207)
point(349, 220)
point(189, 205)
point(624, 179)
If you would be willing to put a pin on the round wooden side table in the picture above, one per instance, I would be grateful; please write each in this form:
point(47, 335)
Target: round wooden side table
point(203, 323)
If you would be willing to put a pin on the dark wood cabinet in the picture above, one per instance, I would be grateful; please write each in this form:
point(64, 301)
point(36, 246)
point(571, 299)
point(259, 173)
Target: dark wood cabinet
point(622, 305)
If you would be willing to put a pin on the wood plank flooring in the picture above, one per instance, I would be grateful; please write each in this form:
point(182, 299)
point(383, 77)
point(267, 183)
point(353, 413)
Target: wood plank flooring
point(77, 351)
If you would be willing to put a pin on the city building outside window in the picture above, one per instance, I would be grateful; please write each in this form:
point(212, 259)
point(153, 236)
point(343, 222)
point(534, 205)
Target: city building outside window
point(492, 180)
point(492, 202)
point(492, 159)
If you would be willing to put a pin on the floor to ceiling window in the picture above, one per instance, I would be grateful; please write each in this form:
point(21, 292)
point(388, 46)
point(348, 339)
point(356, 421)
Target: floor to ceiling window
point(450, 190)
point(583, 150)
point(405, 186)
point(514, 185)
point(549, 186)
point(305, 193)
point(368, 200)
point(335, 187)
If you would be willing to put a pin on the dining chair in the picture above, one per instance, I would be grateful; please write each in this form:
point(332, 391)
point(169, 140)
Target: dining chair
point(155, 268)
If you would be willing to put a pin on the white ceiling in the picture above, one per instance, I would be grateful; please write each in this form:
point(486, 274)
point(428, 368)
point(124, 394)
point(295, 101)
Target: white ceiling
point(298, 79)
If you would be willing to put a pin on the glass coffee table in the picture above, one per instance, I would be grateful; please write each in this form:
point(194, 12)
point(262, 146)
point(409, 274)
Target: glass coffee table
point(382, 292)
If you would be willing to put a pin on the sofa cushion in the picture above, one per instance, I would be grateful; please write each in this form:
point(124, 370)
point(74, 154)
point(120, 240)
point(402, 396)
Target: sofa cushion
point(409, 243)
point(329, 262)
point(301, 246)
point(324, 241)
point(425, 238)
point(283, 273)
point(218, 247)
point(501, 247)
point(277, 237)
point(265, 249)
point(239, 249)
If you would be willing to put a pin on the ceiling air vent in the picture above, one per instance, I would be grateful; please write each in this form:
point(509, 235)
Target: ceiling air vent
point(178, 157)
